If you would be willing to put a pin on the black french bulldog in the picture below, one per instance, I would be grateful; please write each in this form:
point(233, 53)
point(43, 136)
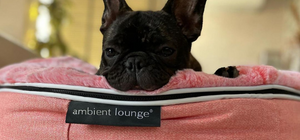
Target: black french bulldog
point(142, 50)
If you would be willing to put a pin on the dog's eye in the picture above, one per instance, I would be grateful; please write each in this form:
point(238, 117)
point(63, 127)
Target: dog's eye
point(110, 52)
point(166, 51)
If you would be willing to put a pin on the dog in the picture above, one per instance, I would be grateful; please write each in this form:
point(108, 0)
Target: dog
point(142, 50)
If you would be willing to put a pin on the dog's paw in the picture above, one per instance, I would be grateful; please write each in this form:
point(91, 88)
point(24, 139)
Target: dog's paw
point(229, 72)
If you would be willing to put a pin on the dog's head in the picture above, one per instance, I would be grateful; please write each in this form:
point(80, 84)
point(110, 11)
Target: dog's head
point(142, 50)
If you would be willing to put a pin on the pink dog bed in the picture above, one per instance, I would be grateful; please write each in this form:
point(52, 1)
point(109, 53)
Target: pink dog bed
point(262, 103)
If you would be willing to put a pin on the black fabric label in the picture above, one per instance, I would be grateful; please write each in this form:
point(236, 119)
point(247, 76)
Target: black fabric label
point(113, 115)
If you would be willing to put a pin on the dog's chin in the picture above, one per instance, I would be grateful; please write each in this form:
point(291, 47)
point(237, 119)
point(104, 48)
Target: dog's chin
point(147, 81)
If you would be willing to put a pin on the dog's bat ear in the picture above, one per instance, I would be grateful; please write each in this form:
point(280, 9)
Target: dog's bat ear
point(189, 16)
point(113, 9)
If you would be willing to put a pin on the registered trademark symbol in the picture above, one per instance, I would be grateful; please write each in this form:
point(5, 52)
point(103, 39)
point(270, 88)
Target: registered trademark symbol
point(151, 110)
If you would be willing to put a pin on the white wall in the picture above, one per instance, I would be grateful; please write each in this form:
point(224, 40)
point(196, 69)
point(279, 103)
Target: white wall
point(13, 15)
point(13, 18)
point(237, 37)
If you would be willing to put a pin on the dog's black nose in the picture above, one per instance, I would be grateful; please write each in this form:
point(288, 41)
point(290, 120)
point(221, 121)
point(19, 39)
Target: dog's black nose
point(135, 64)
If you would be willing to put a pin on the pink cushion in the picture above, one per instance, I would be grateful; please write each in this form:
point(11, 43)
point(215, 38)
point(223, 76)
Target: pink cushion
point(36, 117)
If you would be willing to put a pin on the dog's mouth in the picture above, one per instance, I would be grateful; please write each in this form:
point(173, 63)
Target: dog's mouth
point(129, 85)
point(147, 81)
